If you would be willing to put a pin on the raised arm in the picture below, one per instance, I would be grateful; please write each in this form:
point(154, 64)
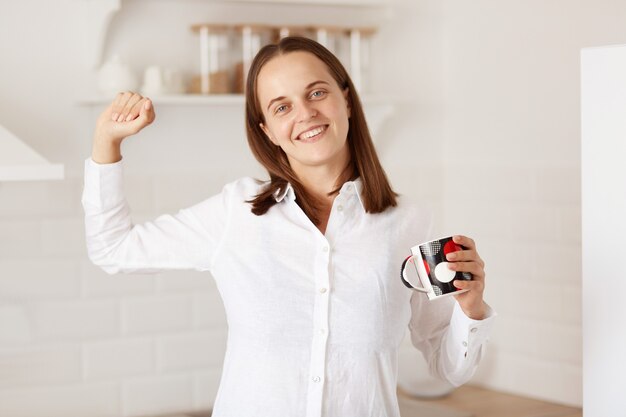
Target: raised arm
point(186, 240)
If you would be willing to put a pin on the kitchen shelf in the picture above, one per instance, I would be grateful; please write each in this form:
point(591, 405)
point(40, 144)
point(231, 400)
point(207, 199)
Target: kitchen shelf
point(99, 14)
point(177, 99)
point(19, 162)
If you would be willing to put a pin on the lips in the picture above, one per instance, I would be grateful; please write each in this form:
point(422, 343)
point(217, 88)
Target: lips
point(312, 134)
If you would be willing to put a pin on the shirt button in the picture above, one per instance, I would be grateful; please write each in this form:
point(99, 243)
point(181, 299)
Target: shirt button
point(474, 330)
point(323, 290)
point(464, 344)
point(325, 248)
point(316, 379)
point(322, 331)
point(339, 208)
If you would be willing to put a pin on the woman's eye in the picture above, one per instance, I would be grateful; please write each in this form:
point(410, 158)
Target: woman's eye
point(280, 109)
point(317, 94)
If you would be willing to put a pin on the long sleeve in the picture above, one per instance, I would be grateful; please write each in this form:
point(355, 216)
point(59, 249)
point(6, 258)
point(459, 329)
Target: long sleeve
point(188, 240)
point(451, 342)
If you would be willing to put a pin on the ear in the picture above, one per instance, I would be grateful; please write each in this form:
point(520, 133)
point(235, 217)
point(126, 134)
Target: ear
point(346, 92)
point(268, 133)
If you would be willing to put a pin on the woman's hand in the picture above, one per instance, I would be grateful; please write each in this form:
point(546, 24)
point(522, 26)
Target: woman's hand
point(126, 116)
point(468, 260)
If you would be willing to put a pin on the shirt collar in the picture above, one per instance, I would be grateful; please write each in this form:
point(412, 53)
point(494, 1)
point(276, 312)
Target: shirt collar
point(349, 189)
point(280, 194)
point(353, 188)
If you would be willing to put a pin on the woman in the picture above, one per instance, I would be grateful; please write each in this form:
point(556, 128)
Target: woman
point(306, 263)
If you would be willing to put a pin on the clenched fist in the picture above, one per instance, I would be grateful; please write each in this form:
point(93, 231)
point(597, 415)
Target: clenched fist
point(128, 114)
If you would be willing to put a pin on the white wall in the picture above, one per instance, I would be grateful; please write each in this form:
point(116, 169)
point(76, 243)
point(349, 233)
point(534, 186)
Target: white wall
point(512, 156)
point(604, 204)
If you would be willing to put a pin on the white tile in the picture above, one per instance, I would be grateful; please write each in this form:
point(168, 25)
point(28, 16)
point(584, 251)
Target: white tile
point(570, 223)
point(16, 325)
point(205, 387)
point(39, 366)
point(208, 310)
point(541, 379)
point(571, 305)
point(171, 281)
point(119, 358)
point(560, 343)
point(96, 282)
point(84, 319)
point(557, 263)
point(524, 300)
point(20, 239)
point(514, 335)
point(160, 313)
point(534, 222)
point(543, 341)
point(158, 395)
point(505, 257)
point(38, 279)
point(139, 192)
point(487, 182)
point(419, 182)
point(191, 351)
point(37, 199)
point(64, 236)
point(474, 218)
point(177, 191)
point(93, 400)
point(557, 184)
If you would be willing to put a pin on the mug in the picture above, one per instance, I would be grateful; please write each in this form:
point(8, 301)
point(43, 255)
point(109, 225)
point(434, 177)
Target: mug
point(434, 275)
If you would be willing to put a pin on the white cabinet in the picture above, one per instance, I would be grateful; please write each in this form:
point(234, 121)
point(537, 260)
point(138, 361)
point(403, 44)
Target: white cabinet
point(18, 162)
point(603, 105)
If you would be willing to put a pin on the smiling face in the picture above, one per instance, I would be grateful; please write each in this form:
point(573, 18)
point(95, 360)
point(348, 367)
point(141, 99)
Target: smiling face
point(306, 113)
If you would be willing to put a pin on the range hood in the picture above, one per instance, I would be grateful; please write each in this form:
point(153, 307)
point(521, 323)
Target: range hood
point(19, 162)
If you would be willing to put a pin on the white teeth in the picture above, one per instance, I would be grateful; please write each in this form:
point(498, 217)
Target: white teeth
point(311, 133)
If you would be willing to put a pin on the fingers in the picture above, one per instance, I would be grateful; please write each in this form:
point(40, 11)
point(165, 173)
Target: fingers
point(145, 115)
point(465, 256)
point(478, 286)
point(465, 241)
point(467, 260)
point(473, 268)
point(126, 106)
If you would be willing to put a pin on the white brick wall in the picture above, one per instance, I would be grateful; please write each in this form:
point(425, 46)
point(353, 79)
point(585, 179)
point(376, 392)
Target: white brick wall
point(97, 400)
point(156, 314)
point(158, 395)
point(23, 367)
point(118, 359)
point(76, 319)
point(38, 279)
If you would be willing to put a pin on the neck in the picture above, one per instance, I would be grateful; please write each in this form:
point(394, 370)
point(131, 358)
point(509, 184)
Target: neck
point(320, 181)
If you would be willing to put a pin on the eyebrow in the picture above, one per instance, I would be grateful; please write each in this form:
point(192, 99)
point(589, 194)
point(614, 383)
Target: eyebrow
point(306, 88)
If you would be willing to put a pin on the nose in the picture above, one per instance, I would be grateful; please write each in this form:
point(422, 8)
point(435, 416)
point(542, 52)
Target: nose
point(306, 111)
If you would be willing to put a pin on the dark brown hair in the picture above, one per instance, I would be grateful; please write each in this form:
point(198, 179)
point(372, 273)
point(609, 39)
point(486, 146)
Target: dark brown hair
point(376, 194)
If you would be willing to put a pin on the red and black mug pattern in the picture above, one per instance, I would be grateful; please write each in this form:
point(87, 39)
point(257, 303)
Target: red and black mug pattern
point(431, 264)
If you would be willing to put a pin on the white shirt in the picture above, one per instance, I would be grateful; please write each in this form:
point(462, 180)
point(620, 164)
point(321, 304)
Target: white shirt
point(315, 320)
